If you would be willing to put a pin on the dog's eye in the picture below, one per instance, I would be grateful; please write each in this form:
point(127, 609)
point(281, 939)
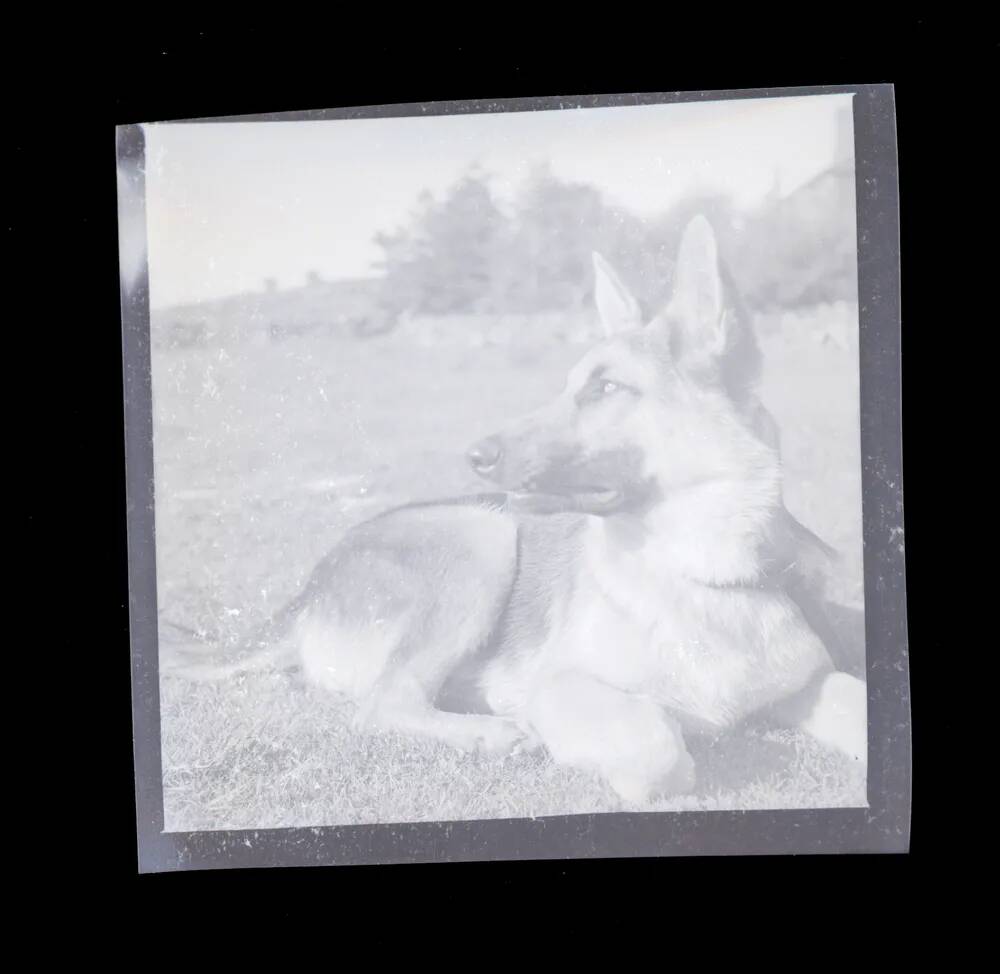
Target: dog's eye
point(598, 389)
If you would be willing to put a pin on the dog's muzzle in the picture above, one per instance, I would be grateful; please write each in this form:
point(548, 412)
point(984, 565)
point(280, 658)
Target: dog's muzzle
point(542, 496)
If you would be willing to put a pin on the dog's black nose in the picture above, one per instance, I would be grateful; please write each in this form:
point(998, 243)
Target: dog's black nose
point(485, 455)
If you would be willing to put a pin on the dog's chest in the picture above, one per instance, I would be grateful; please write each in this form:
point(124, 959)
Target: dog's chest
point(712, 655)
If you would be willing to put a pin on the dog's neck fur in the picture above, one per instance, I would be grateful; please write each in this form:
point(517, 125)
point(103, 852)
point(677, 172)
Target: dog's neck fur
point(709, 533)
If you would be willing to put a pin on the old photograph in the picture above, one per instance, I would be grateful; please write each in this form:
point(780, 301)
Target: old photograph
point(506, 464)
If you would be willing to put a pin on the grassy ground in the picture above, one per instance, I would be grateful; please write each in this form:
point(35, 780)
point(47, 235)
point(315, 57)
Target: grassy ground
point(266, 453)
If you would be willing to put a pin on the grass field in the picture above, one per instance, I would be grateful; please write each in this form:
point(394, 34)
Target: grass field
point(266, 453)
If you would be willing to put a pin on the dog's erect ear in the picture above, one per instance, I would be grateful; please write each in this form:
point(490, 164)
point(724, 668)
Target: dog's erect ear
point(698, 322)
point(618, 310)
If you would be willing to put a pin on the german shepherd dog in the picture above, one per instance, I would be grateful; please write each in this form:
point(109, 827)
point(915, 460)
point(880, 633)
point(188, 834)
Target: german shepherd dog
point(633, 578)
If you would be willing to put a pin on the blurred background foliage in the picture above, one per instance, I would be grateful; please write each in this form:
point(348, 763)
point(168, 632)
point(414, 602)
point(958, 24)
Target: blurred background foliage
point(466, 253)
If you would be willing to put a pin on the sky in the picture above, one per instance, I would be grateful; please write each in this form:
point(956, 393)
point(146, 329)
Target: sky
point(230, 204)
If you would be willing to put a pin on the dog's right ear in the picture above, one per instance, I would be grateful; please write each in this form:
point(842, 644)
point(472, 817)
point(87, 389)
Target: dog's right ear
point(616, 307)
point(700, 330)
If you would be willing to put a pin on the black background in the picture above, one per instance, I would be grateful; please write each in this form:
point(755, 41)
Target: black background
point(83, 79)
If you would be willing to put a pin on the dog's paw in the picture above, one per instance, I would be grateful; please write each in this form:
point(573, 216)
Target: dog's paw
point(529, 741)
point(498, 736)
point(641, 790)
point(671, 773)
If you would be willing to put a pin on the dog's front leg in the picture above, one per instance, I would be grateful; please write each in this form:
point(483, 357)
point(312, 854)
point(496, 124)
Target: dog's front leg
point(400, 703)
point(627, 739)
point(834, 710)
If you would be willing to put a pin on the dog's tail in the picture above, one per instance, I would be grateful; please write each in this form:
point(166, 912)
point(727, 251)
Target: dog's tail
point(195, 658)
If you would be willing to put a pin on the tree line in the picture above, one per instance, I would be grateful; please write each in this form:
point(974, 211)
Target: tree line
point(466, 253)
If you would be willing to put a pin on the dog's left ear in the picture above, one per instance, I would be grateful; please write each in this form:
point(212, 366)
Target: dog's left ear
point(697, 320)
point(616, 307)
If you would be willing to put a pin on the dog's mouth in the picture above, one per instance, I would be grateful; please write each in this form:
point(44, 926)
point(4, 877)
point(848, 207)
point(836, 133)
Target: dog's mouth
point(536, 499)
